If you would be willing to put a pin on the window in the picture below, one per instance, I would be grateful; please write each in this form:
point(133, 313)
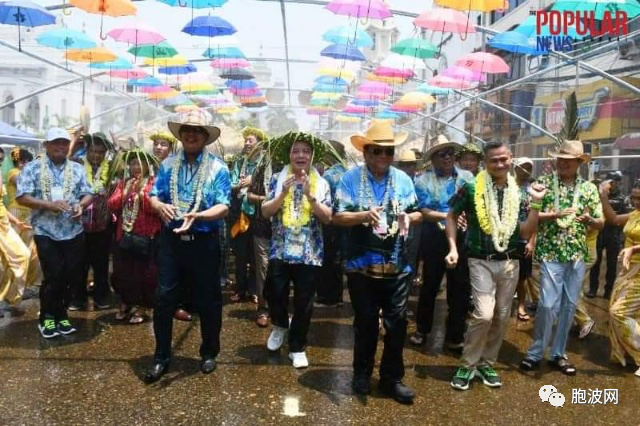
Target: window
point(9, 113)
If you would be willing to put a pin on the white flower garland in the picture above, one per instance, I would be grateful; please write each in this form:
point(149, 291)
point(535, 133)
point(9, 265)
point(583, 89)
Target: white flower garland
point(366, 201)
point(46, 177)
point(196, 195)
point(129, 216)
point(565, 222)
point(502, 223)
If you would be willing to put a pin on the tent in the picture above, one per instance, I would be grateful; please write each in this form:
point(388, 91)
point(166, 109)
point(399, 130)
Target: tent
point(10, 137)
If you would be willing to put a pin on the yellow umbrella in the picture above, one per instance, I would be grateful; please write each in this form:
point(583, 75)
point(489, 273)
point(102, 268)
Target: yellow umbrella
point(344, 74)
point(416, 98)
point(348, 119)
point(477, 5)
point(164, 95)
point(166, 62)
point(388, 80)
point(197, 86)
point(95, 54)
point(227, 110)
point(326, 95)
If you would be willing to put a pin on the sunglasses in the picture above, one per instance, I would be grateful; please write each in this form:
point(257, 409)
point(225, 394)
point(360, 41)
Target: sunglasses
point(379, 150)
point(445, 153)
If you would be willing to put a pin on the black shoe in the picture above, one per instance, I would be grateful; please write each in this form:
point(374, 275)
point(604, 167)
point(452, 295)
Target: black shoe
point(156, 372)
point(100, 305)
point(590, 294)
point(361, 385)
point(607, 295)
point(398, 391)
point(529, 364)
point(77, 306)
point(208, 365)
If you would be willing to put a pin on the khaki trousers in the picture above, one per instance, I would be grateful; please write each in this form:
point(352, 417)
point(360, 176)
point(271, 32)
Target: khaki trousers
point(493, 284)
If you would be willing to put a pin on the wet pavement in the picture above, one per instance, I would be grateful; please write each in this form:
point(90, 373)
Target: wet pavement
point(93, 377)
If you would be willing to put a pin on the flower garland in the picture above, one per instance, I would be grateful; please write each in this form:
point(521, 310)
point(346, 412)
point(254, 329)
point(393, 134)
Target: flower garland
point(366, 201)
point(565, 222)
point(98, 181)
point(195, 198)
point(129, 215)
point(292, 215)
point(46, 177)
point(499, 224)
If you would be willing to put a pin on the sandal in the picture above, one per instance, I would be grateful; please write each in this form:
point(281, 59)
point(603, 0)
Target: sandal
point(136, 318)
point(417, 339)
point(124, 313)
point(236, 297)
point(523, 317)
point(562, 364)
point(529, 364)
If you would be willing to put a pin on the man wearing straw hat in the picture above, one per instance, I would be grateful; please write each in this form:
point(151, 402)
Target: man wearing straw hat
point(570, 207)
point(191, 195)
point(378, 203)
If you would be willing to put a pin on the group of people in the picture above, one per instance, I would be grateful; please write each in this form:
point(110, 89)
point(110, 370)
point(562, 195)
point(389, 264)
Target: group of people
point(295, 213)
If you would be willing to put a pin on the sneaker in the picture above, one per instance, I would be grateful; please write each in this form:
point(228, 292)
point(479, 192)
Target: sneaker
point(489, 376)
point(586, 329)
point(276, 338)
point(65, 327)
point(417, 338)
point(48, 328)
point(529, 364)
point(462, 378)
point(637, 373)
point(73, 306)
point(100, 305)
point(299, 359)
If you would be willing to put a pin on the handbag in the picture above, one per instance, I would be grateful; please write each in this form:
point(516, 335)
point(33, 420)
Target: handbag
point(241, 226)
point(135, 244)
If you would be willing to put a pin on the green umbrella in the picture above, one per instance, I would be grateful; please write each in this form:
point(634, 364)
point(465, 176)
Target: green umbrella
point(599, 7)
point(154, 51)
point(415, 47)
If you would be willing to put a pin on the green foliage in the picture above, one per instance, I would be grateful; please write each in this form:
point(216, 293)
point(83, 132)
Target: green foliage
point(570, 128)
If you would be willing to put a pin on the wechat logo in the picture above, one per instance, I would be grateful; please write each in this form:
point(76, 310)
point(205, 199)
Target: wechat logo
point(549, 393)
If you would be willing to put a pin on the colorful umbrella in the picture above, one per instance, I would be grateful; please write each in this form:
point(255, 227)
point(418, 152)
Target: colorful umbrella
point(515, 42)
point(95, 54)
point(340, 73)
point(230, 63)
point(357, 109)
point(375, 87)
point(477, 5)
point(65, 38)
point(194, 4)
point(388, 115)
point(246, 92)
point(241, 84)
point(348, 35)
point(397, 107)
point(386, 79)
point(402, 62)
point(24, 13)
point(153, 51)
point(374, 9)
point(444, 20)
point(329, 88)
point(198, 86)
point(218, 101)
point(462, 73)
point(599, 7)
point(230, 52)
point(371, 96)
point(209, 26)
point(118, 64)
point(145, 81)
point(448, 82)
point(166, 62)
point(106, 7)
point(371, 103)
point(415, 47)
point(416, 98)
point(128, 74)
point(164, 95)
point(343, 51)
point(484, 62)
point(433, 90)
point(322, 102)
point(155, 89)
point(236, 74)
point(325, 95)
point(334, 81)
point(178, 69)
point(393, 72)
point(136, 34)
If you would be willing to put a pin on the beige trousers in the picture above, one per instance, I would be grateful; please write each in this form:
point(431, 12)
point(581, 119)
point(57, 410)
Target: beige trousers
point(14, 259)
point(493, 284)
point(261, 253)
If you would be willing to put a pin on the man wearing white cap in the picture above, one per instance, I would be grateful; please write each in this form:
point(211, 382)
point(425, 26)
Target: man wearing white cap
point(57, 191)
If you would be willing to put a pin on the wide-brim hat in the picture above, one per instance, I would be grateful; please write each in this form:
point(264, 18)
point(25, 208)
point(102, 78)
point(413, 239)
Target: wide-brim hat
point(407, 156)
point(380, 133)
point(570, 150)
point(194, 118)
point(442, 143)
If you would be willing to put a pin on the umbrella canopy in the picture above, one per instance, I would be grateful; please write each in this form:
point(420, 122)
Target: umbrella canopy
point(95, 54)
point(160, 50)
point(371, 96)
point(387, 114)
point(402, 62)
point(374, 9)
point(178, 69)
point(230, 63)
point(65, 38)
point(106, 7)
point(477, 5)
point(230, 52)
point(347, 118)
point(166, 62)
point(246, 92)
point(628, 141)
point(164, 95)
point(445, 20)
point(341, 73)
point(334, 81)
point(416, 98)
point(197, 86)
point(24, 13)
point(145, 82)
point(415, 47)
point(118, 64)
point(136, 34)
point(343, 51)
point(515, 42)
point(365, 102)
point(329, 88)
point(393, 72)
point(194, 4)
point(348, 35)
point(462, 73)
point(397, 107)
point(448, 82)
point(155, 89)
point(237, 74)
point(599, 7)
point(325, 95)
point(484, 62)
point(241, 84)
point(386, 79)
point(375, 87)
point(209, 26)
point(433, 90)
point(357, 109)
point(218, 101)
point(128, 74)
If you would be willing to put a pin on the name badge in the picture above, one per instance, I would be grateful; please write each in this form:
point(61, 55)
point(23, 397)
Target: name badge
point(382, 227)
point(56, 193)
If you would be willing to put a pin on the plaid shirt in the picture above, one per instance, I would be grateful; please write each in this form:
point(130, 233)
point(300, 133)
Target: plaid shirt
point(477, 242)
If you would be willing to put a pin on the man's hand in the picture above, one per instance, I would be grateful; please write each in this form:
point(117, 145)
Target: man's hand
point(451, 259)
point(189, 218)
point(566, 212)
point(528, 248)
point(605, 188)
point(287, 184)
point(167, 212)
point(537, 192)
point(403, 224)
point(373, 216)
point(244, 182)
point(306, 187)
point(76, 211)
point(59, 206)
point(462, 222)
point(625, 255)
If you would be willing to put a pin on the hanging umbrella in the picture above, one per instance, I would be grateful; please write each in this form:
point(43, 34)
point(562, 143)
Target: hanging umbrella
point(448, 82)
point(444, 20)
point(178, 69)
point(194, 4)
point(322, 102)
point(484, 62)
point(462, 73)
point(164, 95)
point(515, 42)
point(375, 87)
point(374, 9)
point(172, 61)
point(343, 51)
point(385, 79)
point(348, 35)
point(155, 89)
point(477, 5)
point(347, 118)
point(388, 115)
point(402, 62)
point(415, 47)
point(136, 34)
point(433, 90)
point(154, 51)
point(95, 54)
point(218, 101)
point(128, 74)
point(236, 74)
point(209, 26)
point(329, 88)
point(325, 95)
point(145, 81)
point(224, 52)
point(117, 64)
point(599, 7)
point(24, 13)
point(334, 81)
point(371, 96)
point(198, 86)
point(340, 73)
point(404, 108)
point(246, 92)
point(357, 109)
point(393, 72)
point(371, 103)
point(65, 38)
point(106, 7)
point(416, 98)
point(241, 84)
point(230, 63)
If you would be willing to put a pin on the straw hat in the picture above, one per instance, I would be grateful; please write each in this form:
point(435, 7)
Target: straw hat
point(379, 133)
point(407, 156)
point(441, 143)
point(521, 161)
point(570, 150)
point(195, 119)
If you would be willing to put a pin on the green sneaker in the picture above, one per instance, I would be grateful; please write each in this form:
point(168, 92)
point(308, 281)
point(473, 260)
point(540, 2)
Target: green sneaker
point(48, 328)
point(462, 378)
point(489, 376)
point(65, 327)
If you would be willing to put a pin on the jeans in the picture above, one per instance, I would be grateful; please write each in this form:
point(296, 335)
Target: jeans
point(97, 249)
point(277, 293)
point(200, 256)
point(368, 296)
point(63, 268)
point(245, 263)
point(560, 285)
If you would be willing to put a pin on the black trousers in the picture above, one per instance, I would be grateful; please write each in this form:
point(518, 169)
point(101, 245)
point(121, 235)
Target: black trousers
point(329, 283)
point(97, 250)
point(279, 274)
point(201, 257)
point(245, 263)
point(368, 296)
point(435, 247)
point(62, 265)
point(611, 241)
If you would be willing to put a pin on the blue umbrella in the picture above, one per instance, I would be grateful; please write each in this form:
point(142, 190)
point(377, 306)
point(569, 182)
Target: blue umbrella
point(388, 115)
point(433, 90)
point(329, 88)
point(195, 4)
point(323, 102)
point(65, 38)
point(178, 69)
point(365, 103)
point(224, 52)
point(241, 84)
point(343, 51)
point(181, 99)
point(209, 26)
point(348, 35)
point(335, 81)
point(515, 42)
point(118, 64)
point(145, 82)
point(24, 13)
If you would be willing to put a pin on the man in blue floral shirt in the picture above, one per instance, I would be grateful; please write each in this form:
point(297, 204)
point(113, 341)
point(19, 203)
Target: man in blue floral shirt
point(57, 191)
point(378, 204)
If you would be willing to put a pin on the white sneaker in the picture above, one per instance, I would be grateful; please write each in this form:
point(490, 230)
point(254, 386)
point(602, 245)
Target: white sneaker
point(276, 338)
point(299, 359)
point(638, 372)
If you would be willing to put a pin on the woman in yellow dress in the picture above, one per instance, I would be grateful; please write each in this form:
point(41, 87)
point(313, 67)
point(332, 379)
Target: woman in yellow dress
point(624, 307)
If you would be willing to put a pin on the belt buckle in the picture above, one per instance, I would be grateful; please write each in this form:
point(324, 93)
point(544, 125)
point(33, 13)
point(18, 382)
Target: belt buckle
point(186, 237)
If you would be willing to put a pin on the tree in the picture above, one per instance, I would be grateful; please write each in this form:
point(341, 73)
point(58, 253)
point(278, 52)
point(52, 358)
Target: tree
point(63, 121)
point(280, 121)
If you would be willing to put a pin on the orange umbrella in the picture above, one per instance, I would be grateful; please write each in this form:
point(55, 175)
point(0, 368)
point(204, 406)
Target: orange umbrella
point(106, 7)
point(164, 95)
point(95, 54)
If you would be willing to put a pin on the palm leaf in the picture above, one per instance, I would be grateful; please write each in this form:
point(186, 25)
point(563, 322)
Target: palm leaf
point(570, 128)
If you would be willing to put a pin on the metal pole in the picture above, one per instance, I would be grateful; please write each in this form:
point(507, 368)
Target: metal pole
point(42, 90)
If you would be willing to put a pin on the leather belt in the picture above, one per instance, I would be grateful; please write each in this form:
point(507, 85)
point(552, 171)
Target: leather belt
point(381, 271)
point(510, 255)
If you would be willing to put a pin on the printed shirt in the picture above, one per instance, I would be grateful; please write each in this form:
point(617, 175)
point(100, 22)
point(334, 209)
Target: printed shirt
point(332, 175)
point(479, 243)
point(298, 246)
point(364, 249)
point(250, 168)
point(55, 225)
point(434, 191)
point(215, 190)
point(555, 244)
point(147, 223)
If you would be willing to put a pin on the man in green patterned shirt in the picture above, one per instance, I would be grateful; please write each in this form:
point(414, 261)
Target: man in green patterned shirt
point(569, 209)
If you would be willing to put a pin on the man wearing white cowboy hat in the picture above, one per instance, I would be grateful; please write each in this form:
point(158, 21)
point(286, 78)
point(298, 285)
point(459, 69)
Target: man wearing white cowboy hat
point(570, 208)
point(434, 189)
point(191, 194)
point(378, 203)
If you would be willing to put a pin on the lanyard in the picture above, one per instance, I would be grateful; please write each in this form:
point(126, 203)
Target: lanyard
point(190, 174)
